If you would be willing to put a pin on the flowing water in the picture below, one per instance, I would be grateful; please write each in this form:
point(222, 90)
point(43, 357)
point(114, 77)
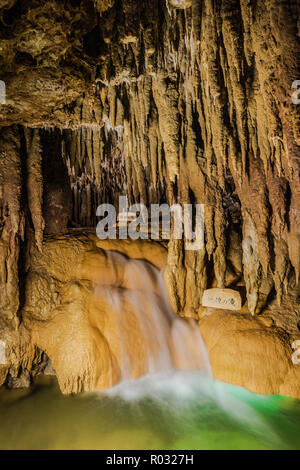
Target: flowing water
point(176, 404)
point(171, 410)
point(145, 323)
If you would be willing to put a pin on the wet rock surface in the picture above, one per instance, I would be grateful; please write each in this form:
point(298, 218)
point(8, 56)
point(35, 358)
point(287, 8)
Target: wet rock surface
point(165, 101)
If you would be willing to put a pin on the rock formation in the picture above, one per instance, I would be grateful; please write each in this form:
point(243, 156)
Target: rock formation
point(178, 101)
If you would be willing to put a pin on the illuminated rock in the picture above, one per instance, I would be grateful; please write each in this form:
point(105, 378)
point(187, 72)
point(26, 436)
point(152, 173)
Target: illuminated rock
point(99, 312)
point(181, 3)
point(186, 101)
point(251, 352)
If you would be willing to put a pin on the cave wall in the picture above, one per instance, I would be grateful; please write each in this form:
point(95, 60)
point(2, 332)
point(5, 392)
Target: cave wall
point(178, 101)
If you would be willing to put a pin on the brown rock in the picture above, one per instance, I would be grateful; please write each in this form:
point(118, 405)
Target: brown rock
point(186, 104)
point(244, 351)
point(78, 329)
point(181, 3)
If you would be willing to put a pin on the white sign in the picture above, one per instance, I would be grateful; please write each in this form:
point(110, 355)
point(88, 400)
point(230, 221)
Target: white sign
point(228, 299)
point(2, 353)
point(296, 354)
point(2, 92)
point(296, 94)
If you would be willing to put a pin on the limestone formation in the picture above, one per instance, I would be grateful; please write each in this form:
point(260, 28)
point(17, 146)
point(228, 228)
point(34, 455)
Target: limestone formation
point(177, 101)
point(76, 325)
point(251, 352)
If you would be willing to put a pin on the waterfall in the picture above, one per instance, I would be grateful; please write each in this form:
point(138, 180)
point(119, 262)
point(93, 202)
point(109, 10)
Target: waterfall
point(151, 338)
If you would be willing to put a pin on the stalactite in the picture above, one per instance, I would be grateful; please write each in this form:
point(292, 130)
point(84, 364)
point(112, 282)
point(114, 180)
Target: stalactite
point(35, 184)
point(177, 98)
point(12, 222)
point(203, 104)
point(166, 99)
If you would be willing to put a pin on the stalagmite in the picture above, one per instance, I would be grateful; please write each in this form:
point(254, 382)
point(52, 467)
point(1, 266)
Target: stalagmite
point(162, 101)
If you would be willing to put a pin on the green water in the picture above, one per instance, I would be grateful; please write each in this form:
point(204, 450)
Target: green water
point(176, 410)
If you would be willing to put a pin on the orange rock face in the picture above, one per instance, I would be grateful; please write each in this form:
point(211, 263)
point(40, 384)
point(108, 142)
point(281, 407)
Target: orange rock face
point(100, 312)
point(72, 314)
point(177, 101)
point(251, 352)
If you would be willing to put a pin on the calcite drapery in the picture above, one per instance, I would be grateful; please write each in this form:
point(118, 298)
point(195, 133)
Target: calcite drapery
point(178, 101)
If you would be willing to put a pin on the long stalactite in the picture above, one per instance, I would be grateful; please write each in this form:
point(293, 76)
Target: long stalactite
point(162, 101)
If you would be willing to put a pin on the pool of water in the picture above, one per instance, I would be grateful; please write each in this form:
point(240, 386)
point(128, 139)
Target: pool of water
point(174, 410)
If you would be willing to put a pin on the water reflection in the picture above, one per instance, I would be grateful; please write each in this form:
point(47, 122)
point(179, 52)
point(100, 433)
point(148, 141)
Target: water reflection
point(174, 410)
